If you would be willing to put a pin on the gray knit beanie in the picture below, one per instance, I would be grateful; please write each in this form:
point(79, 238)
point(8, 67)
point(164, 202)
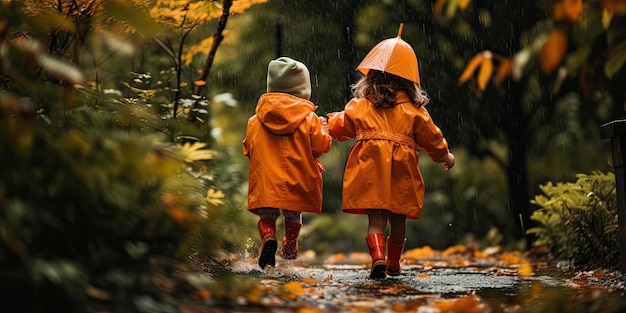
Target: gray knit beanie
point(289, 76)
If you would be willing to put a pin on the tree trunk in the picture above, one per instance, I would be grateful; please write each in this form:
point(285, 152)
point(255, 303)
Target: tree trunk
point(348, 47)
point(521, 16)
point(517, 175)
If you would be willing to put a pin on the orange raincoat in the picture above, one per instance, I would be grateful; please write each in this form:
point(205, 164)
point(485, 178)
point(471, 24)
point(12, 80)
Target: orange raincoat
point(381, 171)
point(283, 141)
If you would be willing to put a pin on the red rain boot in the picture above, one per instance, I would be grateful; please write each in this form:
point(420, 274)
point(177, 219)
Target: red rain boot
point(267, 252)
point(376, 245)
point(290, 241)
point(394, 251)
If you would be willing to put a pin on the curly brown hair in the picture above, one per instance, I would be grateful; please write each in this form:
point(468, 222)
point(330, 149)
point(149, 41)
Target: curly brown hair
point(381, 88)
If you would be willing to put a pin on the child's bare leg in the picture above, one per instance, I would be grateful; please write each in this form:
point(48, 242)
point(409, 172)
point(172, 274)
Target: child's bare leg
point(377, 221)
point(397, 223)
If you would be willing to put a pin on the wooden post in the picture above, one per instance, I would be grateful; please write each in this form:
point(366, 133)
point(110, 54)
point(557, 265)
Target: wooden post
point(616, 132)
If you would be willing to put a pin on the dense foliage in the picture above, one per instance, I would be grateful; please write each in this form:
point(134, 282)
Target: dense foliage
point(107, 188)
point(577, 221)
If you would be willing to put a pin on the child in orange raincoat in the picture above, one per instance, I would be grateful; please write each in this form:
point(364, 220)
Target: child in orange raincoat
point(282, 141)
point(388, 119)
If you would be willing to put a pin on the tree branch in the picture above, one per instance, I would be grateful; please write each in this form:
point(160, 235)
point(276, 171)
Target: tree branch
point(217, 39)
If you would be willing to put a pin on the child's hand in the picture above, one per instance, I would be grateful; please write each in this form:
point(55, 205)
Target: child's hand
point(448, 162)
point(325, 128)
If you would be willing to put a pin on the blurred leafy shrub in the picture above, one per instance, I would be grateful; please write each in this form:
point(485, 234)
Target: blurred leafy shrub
point(104, 193)
point(578, 220)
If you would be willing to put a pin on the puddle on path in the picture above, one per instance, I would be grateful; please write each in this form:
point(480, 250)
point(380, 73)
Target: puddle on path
point(346, 287)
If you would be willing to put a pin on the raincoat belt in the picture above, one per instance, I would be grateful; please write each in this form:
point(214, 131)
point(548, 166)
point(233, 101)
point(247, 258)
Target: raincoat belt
point(386, 135)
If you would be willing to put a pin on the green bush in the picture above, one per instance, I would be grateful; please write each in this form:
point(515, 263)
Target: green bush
point(101, 202)
point(577, 221)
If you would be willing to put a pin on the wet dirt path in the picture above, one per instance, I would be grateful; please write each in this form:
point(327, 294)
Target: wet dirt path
point(429, 287)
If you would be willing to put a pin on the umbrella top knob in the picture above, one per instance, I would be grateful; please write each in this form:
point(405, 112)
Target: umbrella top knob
point(400, 30)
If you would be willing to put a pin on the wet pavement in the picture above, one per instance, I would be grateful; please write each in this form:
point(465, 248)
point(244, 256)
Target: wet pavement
point(429, 286)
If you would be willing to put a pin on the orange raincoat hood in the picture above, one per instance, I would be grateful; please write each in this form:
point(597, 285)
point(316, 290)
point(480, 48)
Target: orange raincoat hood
point(282, 113)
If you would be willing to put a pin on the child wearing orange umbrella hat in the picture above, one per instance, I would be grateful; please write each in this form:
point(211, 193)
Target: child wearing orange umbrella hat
point(388, 119)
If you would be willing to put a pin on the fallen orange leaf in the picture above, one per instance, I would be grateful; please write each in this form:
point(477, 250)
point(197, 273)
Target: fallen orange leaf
point(444, 305)
point(398, 307)
point(292, 290)
point(307, 309)
point(511, 258)
point(525, 270)
point(309, 280)
point(201, 294)
point(480, 255)
point(454, 250)
point(339, 256)
point(581, 282)
point(414, 305)
point(469, 304)
point(419, 253)
point(328, 279)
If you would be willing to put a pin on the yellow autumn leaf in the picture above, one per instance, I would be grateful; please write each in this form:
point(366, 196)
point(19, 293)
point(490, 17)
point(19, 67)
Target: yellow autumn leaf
point(193, 152)
point(214, 196)
point(525, 270)
point(511, 258)
point(454, 250)
point(471, 67)
point(463, 4)
point(419, 253)
point(204, 46)
point(292, 290)
point(485, 71)
point(241, 5)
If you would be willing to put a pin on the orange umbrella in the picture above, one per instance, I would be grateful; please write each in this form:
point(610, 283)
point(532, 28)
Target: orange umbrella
point(394, 56)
